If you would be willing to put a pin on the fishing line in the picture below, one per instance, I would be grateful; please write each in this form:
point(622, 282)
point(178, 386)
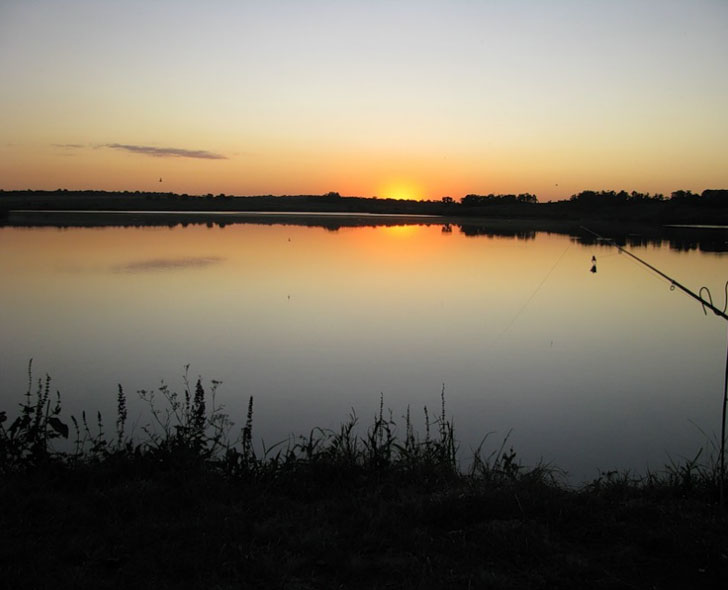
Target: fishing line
point(602, 256)
point(673, 283)
point(707, 304)
point(535, 292)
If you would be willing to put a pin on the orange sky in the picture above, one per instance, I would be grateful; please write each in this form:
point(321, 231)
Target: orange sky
point(406, 100)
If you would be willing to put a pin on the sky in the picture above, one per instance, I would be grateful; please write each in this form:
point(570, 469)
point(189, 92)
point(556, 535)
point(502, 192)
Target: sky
point(401, 99)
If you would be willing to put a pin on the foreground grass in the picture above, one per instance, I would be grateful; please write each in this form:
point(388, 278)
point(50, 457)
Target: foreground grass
point(354, 508)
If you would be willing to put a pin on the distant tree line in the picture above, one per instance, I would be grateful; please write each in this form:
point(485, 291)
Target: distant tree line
point(491, 199)
point(712, 196)
point(682, 206)
point(718, 196)
point(609, 197)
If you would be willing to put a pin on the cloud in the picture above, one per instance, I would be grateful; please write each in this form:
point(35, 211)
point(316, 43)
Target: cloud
point(156, 264)
point(166, 152)
point(68, 150)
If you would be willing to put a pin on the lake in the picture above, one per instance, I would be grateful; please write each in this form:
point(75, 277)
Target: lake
point(316, 316)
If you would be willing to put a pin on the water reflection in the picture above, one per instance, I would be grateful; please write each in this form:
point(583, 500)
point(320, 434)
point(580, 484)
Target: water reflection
point(590, 370)
point(157, 264)
point(473, 230)
point(679, 238)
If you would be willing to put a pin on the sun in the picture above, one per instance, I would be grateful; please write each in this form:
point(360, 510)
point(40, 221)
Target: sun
point(401, 189)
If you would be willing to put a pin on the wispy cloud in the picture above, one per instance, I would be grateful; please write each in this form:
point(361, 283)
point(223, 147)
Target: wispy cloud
point(166, 152)
point(68, 150)
point(157, 264)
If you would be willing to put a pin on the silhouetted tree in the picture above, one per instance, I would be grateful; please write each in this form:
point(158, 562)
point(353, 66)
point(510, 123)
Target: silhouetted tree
point(715, 196)
point(491, 199)
point(683, 195)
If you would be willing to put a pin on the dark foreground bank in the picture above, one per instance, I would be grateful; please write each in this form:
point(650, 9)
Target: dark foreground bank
point(194, 505)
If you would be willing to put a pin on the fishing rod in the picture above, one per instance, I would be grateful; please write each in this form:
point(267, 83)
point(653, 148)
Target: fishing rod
point(716, 311)
point(704, 303)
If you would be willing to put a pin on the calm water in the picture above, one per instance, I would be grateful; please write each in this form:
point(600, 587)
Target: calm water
point(611, 370)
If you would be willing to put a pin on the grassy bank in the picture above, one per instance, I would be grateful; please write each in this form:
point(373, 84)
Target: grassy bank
point(197, 504)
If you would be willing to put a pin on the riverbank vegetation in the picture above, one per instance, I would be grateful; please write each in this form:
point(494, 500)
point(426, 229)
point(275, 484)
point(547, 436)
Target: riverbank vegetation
point(711, 206)
point(197, 503)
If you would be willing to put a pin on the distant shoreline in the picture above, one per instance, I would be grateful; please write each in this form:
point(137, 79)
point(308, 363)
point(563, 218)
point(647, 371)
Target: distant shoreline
point(686, 221)
point(707, 238)
point(608, 207)
point(88, 218)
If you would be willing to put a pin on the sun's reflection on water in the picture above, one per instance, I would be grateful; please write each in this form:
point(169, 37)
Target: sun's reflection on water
point(590, 370)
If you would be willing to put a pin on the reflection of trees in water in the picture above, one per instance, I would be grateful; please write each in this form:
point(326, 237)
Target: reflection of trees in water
point(681, 239)
point(333, 223)
point(702, 245)
point(677, 238)
point(492, 232)
point(703, 239)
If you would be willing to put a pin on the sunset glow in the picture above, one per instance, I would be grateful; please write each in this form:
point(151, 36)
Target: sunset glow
point(406, 100)
point(402, 190)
